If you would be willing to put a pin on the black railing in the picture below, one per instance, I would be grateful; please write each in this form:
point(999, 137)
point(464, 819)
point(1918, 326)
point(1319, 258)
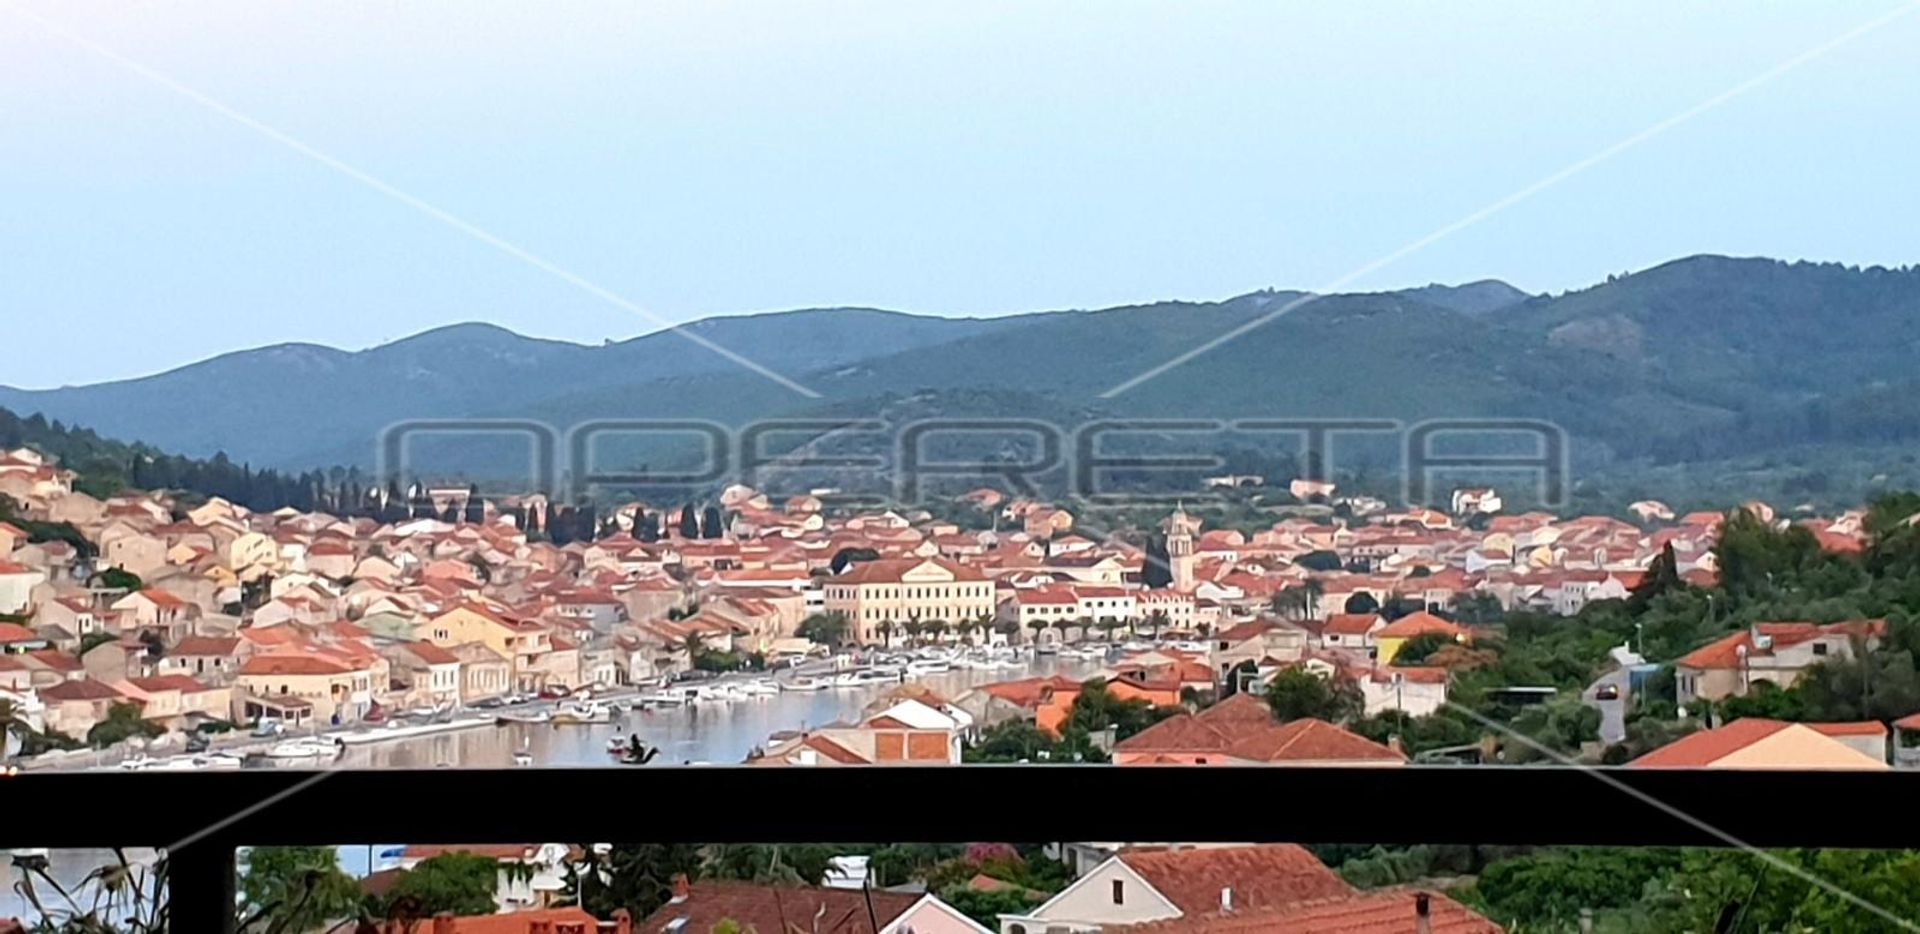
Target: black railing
point(203, 818)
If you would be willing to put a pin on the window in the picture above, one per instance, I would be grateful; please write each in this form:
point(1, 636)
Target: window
point(1119, 892)
point(1819, 648)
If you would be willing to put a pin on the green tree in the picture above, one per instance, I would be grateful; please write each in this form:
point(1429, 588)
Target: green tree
point(1096, 708)
point(986, 907)
point(460, 882)
point(1296, 693)
point(122, 721)
point(118, 579)
point(828, 629)
point(637, 877)
point(295, 889)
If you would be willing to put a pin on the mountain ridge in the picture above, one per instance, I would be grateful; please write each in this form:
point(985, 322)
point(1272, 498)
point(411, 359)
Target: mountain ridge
point(1646, 364)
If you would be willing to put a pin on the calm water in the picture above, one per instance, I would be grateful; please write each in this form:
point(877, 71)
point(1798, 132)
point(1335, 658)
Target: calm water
point(716, 732)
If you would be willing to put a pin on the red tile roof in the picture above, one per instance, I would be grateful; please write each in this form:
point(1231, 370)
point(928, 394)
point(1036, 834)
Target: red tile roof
point(1704, 748)
point(773, 908)
point(1350, 624)
point(293, 665)
point(516, 922)
point(205, 645)
point(14, 632)
point(1383, 912)
point(1421, 623)
point(890, 570)
point(1264, 876)
point(1241, 727)
point(80, 689)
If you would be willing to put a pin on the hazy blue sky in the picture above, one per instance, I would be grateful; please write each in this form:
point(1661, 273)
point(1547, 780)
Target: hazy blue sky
point(958, 158)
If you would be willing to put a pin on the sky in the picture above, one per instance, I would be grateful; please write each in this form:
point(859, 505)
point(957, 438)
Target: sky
point(179, 180)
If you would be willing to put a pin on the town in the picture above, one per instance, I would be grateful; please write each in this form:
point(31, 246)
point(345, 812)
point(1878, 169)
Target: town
point(162, 630)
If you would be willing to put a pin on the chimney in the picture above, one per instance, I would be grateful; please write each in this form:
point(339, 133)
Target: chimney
point(1422, 913)
point(443, 923)
point(1394, 743)
point(680, 888)
point(622, 922)
point(1226, 898)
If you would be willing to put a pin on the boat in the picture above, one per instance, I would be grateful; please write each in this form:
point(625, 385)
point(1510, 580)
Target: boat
point(578, 712)
point(309, 748)
point(218, 761)
point(537, 716)
point(760, 687)
point(931, 666)
point(616, 745)
point(848, 679)
point(805, 684)
point(664, 698)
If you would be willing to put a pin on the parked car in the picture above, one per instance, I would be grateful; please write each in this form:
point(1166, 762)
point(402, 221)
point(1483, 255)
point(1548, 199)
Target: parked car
point(1607, 692)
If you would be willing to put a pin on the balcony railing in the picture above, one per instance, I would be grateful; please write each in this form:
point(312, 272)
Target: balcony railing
point(203, 818)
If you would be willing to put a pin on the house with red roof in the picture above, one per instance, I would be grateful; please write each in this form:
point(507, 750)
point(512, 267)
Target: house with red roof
point(1777, 653)
point(73, 707)
point(1241, 730)
point(1388, 639)
point(1398, 911)
point(1238, 888)
point(1759, 743)
point(335, 687)
point(696, 907)
point(1352, 631)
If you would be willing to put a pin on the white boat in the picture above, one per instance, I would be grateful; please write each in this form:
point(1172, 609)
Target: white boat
point(760, 688)
point(216, 760)
point(848, 679)
point(932, 666)
point(312, 748)
point(805, 684)
point(578, 712)
point(664, 698)
point(616, 745)
point(537, 716)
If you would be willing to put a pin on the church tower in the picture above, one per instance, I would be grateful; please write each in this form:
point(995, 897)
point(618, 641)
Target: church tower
point(1180, 530)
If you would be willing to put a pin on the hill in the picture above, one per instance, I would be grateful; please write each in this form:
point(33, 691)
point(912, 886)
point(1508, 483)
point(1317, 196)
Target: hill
point(1694, 360)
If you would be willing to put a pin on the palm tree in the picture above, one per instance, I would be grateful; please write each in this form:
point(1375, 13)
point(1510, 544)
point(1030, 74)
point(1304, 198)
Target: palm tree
point(1158, 619)
point(913, 627)
point(983, 621)
point(1063, 624)
point(1038, 626)
point(966, 629)
point(885, 631)
point(936, 628)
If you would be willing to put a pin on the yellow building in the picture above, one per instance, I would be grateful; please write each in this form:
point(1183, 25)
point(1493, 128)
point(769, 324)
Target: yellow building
point(895, 591)
point(528, 645)
point(334, 688)
point(1388, 640)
